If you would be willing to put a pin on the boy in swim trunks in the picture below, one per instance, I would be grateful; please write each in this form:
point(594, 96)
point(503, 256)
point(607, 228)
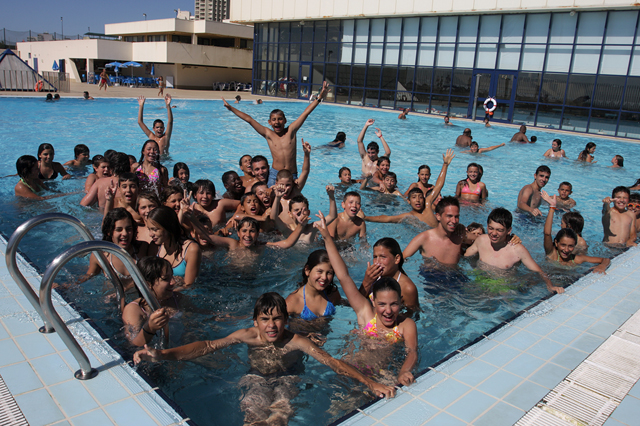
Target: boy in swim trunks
point(529, 198)
point(282, 140)
point(233, 184)
point(348, 224)
point(619, 223)
point(275, 354)
point(387, 186)
point(563, 201)
point(496, 252)
point(299, 209)
point(370, 155)
point(128, 186)
point(205, 203)
point(81, 153)
point(162, 137)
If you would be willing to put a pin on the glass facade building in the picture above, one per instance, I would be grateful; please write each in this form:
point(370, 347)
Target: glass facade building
point(577, 71)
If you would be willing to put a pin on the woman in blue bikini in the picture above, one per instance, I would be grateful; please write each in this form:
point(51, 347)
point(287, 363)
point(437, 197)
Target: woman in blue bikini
point(183, 254)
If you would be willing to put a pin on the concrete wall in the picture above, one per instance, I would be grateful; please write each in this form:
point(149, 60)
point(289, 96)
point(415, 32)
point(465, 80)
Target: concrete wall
point(168, 26)
point(190, 77)
point(246, 11)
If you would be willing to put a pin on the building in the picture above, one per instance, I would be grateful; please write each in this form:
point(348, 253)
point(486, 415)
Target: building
point(562, 64)
point(189, 54)
point(212, 10)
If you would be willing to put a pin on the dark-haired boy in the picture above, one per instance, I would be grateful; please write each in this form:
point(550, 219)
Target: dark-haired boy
point(207, 204)
point(563, 201)
point(127, 189)
point(529, 198)
point(120, 165)
point(345, 177)
point(370, 155)
point(348, 224)
point(298, 209)
point(282, 140)
point(387, 186)
point(495, 251)
point(81, 153)
point(162, 137)
point(619, 223)
point(274, 353)
point(233, 184)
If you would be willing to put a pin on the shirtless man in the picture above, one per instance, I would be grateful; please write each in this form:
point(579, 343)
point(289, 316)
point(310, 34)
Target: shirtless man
point(282, 140)
point(444, 241)
point(162, 137)
point(104, 80)
point(370, 155)
point(619, 223)
point(98, 190)
point(403, 114)
point(520, 136)
point(260, 168)
point(494, 248)
point(529, 198)
point(464, 140)
point(555, 150)
point(446, 121)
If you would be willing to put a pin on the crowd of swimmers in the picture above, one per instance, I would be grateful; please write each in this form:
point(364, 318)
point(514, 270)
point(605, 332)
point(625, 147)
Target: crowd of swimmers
point(165, 222)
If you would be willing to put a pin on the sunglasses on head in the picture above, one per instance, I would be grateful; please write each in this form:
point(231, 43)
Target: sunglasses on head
point(633, 205)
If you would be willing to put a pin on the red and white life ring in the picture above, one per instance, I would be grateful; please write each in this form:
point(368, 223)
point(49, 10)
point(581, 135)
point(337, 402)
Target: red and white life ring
point(39, 86)
point(495, 104)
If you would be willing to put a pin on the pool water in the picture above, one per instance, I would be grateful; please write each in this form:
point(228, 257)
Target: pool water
point(455, 309)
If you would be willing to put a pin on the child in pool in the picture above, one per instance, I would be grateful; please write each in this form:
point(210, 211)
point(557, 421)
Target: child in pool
point(587, 154)
point(233, 184)
point(474, 230)
point(424, 174)
point(147, 201)
point(380, 320)
point(81, 154)
point(205, 203)
point(370, 155)
point(292, 188)
point(619, 223)
point(119, 228)
point(571, 220)
point(29, 184)
point(127, 198)
point(49, 169)
point(384, 164)
point(317, 295)
point(274, 354)
point(348, 224)
point(563, 201)
point(387, 186)
point(474, 148)
point(282, 140)
point(344, 174)
point(247, 178)
point(264, 194)
point(101, 168)
point(162, 137)
point(250, 206)
point(177, 200)
point(181, 176)
point(471, 189)
point(153, 176)
point(387, 262)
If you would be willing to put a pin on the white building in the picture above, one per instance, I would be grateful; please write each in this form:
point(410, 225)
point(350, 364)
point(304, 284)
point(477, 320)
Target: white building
point(193, 54)
point(562, 64)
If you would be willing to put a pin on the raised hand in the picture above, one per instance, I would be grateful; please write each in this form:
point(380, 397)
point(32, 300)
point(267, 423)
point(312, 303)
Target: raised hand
point(306, 147)
point(141, 100)
point(167, 99)
point(330, 190)
point(378, 132)
point(226, 104)
point(111, 191)
point(370, 122)
point(448, 157)
point(280, 190)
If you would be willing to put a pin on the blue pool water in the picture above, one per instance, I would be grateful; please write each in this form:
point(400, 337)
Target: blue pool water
point(211, 140)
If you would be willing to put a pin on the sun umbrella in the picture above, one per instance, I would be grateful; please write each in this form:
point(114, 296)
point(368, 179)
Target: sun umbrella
point(131, 64)
point(114, 65)
point(55, 66)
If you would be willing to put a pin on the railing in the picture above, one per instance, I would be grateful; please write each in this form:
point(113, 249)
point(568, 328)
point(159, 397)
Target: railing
point(44, 305)
point(60, 80)
point(13, 80)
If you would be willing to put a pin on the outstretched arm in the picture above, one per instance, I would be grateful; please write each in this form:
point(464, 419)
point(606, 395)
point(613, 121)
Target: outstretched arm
point(293, 238)
point(531, 264)
point(548, 224)
point(387, 150)
point(169, 128)
point(306, 165)
point(360, 139)
point(333, 208)
point(387, 219)
point(491, 148)
point(144, 128)
point(308, 110)
point(246, 117)
point(446, 160)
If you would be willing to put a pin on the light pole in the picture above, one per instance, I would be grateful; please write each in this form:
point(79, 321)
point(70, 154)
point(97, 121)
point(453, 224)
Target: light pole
point(145, 16)
point(62, 27)
point(176, 11)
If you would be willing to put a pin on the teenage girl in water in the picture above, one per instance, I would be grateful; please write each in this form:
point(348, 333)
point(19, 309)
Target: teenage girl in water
point(147, 201)
point(424, 173)
point(471, 189)
point(380, 321)
point(152, 175)
point(587, 154)
point(49, 169)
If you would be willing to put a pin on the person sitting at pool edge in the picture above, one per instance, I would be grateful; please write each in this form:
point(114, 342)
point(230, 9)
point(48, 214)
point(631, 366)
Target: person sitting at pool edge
point(529, 198)
point(619, 223)
point(494, 250)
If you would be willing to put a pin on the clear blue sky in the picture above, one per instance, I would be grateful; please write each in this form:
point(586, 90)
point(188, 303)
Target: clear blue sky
point(44, 15)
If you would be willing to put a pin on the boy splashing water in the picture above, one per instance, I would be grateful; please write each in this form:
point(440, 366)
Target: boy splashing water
point(282, 140)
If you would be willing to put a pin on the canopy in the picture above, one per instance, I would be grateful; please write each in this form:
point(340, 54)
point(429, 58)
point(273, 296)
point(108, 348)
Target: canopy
point(115, 64)
point(55, 66)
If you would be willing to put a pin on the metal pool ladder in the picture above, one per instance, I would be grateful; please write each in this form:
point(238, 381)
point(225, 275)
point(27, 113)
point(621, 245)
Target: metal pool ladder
point(44, 305)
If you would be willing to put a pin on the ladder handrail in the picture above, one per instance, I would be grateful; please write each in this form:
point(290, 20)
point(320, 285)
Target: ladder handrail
point(46, 304)
point(18, 277)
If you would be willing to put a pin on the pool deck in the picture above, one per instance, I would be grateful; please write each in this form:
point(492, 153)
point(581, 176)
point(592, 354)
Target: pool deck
point(573, 357)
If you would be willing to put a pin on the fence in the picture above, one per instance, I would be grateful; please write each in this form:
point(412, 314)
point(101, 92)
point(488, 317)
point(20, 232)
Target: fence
point(11, 80)
point(9, 38)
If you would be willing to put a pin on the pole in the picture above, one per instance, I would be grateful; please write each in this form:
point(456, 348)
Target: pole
point(62, 27)
point(475, 99)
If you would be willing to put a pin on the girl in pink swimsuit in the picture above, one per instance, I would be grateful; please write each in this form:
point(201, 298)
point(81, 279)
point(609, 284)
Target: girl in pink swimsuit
point(152, 175)
point(471, 189)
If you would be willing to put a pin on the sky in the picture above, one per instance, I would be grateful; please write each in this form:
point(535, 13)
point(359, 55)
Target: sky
point(78, 16)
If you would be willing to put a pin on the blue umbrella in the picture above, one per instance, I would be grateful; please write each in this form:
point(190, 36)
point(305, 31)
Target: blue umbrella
point(55, 66)
point(131, 64)
point(114, 64)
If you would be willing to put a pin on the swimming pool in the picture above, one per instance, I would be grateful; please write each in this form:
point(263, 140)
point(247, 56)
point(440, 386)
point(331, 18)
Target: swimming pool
point(211, 140)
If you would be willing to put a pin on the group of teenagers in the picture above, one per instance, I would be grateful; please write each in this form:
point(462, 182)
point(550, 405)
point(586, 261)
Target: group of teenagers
point(153, 218)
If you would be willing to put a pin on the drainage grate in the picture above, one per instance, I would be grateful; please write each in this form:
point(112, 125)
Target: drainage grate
point(539, 417)
point(10, 413)
point(581, 404)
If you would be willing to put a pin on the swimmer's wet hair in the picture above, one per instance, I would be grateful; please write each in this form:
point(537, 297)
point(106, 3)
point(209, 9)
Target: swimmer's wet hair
point(226, 177)
point(384, 158)
point(80, 149)
point(259, 158)
point(543, 169)
point(267, 303)
point(635, 197)
point(342, 169)
point(475, 225)
point(109, 223)
point(297, 200)
point(315, 258)
point(415, 191)
point(158, 121)
point(144, 145)
point(276, 111)
point(258, 185)
point(566, 184)
point(147, 195)
point(480, 169)
point(393, 247)
point(24, 165)
point(501, 216)
point(180, 166)
point(205, 185)
point(534, 138)
point(558, 141)
point(620, 160)
point(167, 218)
point(284, 174)
point(240, 161)
point(108, 154)
point(575, 221)
point(446, 202)
point(583, 154)
point(351, 194)
point(246, 195)
point(168, 192)
point(44, 146)
point(341, 136)
point(129, 177)
point(474, 143)
point(251, 221)
point(566, 232)
point(386, 284)
point(373, 145)
point(153, 268)
point(424, 166)
point(619, 189)
point(391, 175)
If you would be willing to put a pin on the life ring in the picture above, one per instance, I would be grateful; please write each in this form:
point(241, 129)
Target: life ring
point(495, 104)
point(39, 86)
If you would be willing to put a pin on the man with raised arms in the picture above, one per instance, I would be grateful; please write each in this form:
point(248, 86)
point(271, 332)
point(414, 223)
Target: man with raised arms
point(162, 137)
point(282, 140)
point(529, 198)
point(495, 251)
